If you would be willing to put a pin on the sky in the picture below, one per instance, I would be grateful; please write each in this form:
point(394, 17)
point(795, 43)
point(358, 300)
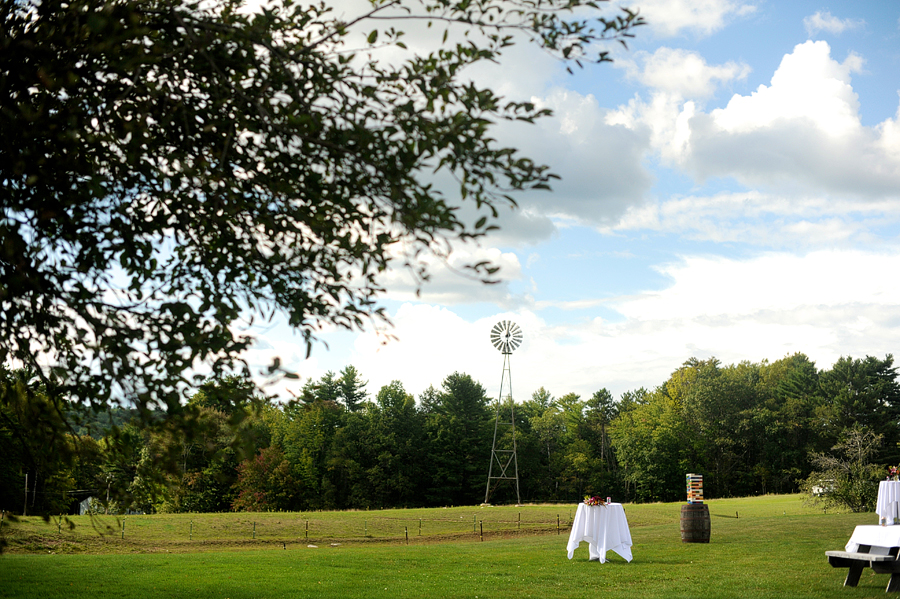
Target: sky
point(730, 188)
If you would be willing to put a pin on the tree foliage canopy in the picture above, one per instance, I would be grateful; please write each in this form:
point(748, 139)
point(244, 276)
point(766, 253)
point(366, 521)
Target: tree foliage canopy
point(748, 428)
point(173, 168)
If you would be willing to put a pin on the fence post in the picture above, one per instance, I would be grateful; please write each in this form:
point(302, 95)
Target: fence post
point(365, 528)
point(192, 530)
point(420, 527)
point(254, 530)
point(307, 530)
point(123, 528)
point(474, 520)
point(482, 530)
point(519, 522)
point(406, 532)
point(557, 523)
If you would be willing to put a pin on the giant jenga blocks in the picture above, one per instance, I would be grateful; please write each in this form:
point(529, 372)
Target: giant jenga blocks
point(695, 488)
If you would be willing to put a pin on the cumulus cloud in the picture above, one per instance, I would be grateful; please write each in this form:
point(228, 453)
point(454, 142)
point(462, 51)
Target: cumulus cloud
point(809, 86)
point(600, 163)
point(824, 21)
point(889, 136)
point(664, 120)
point(799, 134)
point(826, 304)
point(673, 75)
point(802, 131)
point(682, 72)
point(701, 17)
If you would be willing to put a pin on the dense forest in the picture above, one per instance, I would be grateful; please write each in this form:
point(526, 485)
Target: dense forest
point(749, 428)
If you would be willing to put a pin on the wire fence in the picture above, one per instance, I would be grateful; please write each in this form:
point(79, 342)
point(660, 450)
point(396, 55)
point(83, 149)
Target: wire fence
point(307, 528)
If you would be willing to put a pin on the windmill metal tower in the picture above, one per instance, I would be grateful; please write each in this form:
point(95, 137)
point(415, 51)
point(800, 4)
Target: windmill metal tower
point(506, 337)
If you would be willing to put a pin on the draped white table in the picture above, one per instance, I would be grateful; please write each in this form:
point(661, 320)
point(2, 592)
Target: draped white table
point(879, 538)
point(604, 527)
point(888, 506)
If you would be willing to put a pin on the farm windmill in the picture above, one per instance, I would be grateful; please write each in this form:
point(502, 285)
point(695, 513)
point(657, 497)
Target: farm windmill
point(506, 336)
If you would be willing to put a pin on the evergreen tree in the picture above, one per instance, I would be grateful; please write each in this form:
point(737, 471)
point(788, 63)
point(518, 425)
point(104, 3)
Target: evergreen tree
point(352, 389)
point(459, 433)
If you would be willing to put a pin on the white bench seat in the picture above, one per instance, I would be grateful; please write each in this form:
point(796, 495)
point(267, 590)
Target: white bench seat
point(883, 560)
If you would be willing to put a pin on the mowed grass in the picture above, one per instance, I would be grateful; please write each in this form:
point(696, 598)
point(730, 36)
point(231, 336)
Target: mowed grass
point(774, 548)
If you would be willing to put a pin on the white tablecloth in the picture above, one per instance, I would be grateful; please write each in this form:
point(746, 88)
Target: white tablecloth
point(880, 538)
point(888, 506)
point(604, 527)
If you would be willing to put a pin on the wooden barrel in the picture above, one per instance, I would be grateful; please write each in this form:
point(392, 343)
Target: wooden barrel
point(694, 523)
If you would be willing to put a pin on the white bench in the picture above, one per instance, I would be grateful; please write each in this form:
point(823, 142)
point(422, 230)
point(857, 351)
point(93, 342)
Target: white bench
point(883, 560)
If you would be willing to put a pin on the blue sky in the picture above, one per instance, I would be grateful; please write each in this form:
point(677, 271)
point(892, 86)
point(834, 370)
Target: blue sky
point(731, 188)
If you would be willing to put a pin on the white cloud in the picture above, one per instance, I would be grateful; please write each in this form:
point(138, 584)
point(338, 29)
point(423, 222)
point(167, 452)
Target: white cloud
point(600, 162)
point(277, 342)
point(802, 132)
point(682, 73)
point(764, 220)
point(889, 136)
point(701, 17)
point(518, 226)
point(825, 304)
point(809, 86)
point(824, 21)
point(673, 75)
point(664, 120)
point(431, 343)
point(770, 285)
point(800, 135)
point(450, 283)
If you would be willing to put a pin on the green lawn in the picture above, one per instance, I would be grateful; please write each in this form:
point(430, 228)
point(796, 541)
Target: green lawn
point(775, 548)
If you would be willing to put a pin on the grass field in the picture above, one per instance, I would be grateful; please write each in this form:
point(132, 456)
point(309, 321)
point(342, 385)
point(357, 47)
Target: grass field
point(774, 548)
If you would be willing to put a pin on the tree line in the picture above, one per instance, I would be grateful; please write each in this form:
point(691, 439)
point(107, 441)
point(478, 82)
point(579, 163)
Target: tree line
point(749, 428)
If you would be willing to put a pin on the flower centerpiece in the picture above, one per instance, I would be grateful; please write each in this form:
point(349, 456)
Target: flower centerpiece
point(893, 472)
point(593, 500)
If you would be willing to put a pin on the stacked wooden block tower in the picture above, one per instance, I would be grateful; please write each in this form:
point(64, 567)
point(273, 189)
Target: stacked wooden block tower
point(695, 488)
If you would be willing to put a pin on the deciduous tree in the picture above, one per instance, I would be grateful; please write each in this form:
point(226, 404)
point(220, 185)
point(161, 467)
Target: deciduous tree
point(846, 476)
point(171, 169)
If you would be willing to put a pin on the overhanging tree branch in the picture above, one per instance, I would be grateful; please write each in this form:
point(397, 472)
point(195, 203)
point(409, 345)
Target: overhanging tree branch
point(171, 168)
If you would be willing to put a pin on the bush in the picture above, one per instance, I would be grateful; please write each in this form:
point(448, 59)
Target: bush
point(846, 479)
